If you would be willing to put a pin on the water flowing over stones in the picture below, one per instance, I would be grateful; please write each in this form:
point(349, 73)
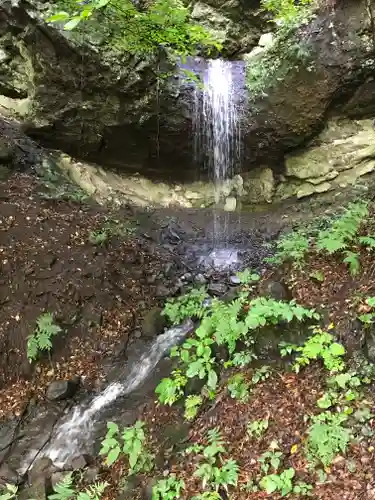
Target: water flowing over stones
point(73, 434)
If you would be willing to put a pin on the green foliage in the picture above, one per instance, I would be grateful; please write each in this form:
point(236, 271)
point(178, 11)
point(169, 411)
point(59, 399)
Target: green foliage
point(352, 259)
point(65, 490)
point(248, 277)
point(283, 483)
point(110, 229)
point(242, 358)
point(238, 388)
point(368, 241)
point(317, 276)
point(214, 471)
point(270, 458)
point(133, 438)
point(222, 325)
point(98, 237)
point(257, 427)
point(8, 492)
point(327, 437)
point(192, 405)
point(287, 12)
point(292, 247)
point(40, 339)
point(171, 389)
point(189, 305)
point(368, 318)
point(164, 24)
point(168, 489)
point(320, 345)
point(344, 230)
point(261, 374)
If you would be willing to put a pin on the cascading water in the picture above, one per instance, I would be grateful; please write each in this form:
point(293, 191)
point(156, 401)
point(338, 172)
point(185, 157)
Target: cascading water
point(217, 145)
point(70, 437)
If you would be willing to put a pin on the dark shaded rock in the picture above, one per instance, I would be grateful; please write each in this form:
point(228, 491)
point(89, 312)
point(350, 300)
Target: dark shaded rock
point(42, 468)
point(231, 294)
point(7, 151)
point(91, 474)
point(200, 279)
point(37, 491)
point(370, 344)
point(58, 477)
point(79, 462)
point(275, 290)
point(153, 323)
point(217, 288)
point(163, 291)
point(8, 475)
point(127, 492)
point(234, 280)
point(61, 389)
point(147, 488)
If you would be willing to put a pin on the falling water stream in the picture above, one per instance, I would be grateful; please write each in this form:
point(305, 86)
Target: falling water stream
point(217, 140)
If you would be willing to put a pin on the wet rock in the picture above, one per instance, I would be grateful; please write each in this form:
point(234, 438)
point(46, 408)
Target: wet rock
point(231, 294)
point(275, 290)
point(153, 323)
point(234, 280)
point(200, 279)
point(58, 477)
point(79, 462)
point(9, 476)
point(91, 474)
point(38, 491)
point(187, 277)
point(217, 288)
point(61, 389)
point(42, 468)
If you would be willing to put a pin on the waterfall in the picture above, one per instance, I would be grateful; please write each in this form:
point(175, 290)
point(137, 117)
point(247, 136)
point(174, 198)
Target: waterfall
point(217, 142)
point(72, 435)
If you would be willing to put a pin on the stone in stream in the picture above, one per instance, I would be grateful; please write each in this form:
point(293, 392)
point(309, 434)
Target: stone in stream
point(217, 288)
point(153, 323)
point(61, 389)
point(79, 462)
point(42, 468)
point(234, 280)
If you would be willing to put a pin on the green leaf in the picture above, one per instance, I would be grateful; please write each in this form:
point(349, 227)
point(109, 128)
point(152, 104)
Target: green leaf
point(70, 25)
point(212, 379)
point(113, 455)
point(59, 16)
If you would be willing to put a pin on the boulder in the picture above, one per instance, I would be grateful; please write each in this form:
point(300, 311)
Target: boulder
point(153, 323)
point(41, 470)
point(61, 389)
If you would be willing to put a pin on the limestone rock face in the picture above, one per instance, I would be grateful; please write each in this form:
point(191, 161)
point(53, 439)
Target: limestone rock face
point(341, 154)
